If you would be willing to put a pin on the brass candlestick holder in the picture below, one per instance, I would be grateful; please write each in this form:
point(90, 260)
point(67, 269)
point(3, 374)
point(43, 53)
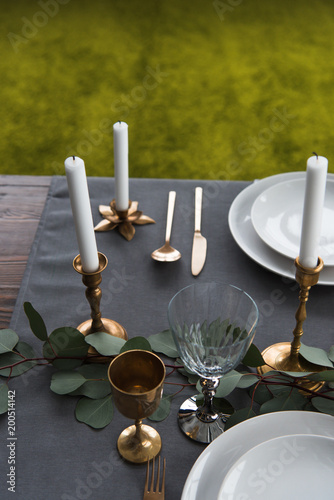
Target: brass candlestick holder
point(285, 356)
point(122, 219)
point(93, 295)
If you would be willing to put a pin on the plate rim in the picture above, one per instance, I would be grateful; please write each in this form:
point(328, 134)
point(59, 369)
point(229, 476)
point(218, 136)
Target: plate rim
point(270, 260)
point(282, 418)
point(261, 446)
point(275, 245)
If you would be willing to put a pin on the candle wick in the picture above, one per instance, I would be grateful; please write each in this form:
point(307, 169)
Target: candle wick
point(119, 121)
point(315, 154)
point(73, 158)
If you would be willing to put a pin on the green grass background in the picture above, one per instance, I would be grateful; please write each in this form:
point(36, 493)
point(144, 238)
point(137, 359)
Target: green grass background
point(228, 67)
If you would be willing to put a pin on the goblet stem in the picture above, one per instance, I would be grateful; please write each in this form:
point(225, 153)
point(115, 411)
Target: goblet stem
point(207, 413)
point(138, 436)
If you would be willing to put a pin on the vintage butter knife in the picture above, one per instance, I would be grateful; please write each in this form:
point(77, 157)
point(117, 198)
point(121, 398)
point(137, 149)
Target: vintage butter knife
point(199, 242)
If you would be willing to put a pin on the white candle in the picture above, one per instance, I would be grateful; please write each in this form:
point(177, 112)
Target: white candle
point(121, 165)
point(316, 176)
point(82, 213)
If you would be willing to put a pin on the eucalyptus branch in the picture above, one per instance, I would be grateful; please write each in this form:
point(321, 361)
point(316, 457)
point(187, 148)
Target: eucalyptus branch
point(24, 360)
point(178, 392)
point(92, 396)
point(254, 390)
point(298, 386)
point(48, 360)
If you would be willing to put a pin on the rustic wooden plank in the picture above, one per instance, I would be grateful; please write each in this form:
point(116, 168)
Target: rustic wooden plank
point(25, 180)
point(17, 236)
point(22, 200)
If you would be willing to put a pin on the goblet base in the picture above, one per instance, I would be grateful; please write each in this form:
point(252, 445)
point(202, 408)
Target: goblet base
point(139, 450)
point(196, 429)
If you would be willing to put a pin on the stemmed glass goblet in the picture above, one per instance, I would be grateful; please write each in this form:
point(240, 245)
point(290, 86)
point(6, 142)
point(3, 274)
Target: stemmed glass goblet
point(213, 326)
point(136, 379)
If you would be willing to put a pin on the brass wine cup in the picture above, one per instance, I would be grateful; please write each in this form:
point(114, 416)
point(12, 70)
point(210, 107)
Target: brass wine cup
point(136, 379)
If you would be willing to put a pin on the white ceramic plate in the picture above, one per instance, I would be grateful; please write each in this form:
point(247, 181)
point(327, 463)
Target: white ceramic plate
point(296, 466)
point(208, 473)
point(241, 227)
point(277, 215)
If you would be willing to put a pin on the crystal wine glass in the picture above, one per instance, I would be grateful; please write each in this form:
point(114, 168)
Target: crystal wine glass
point(213, 326)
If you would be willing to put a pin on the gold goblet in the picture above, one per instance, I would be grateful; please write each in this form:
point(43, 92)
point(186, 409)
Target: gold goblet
point(136, 379)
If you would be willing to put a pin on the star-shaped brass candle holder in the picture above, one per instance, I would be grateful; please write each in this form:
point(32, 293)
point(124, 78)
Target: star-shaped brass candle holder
point(122, 219)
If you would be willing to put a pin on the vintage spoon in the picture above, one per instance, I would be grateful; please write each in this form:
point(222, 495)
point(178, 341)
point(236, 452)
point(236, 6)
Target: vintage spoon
point(167, 253)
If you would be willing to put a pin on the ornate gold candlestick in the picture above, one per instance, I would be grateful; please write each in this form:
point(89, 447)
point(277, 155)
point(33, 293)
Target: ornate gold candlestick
point(93, 295)
point(123, 219)
point(285, 355)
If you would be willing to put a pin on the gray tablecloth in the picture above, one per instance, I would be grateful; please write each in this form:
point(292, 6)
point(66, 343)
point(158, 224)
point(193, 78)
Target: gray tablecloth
point(60, 458)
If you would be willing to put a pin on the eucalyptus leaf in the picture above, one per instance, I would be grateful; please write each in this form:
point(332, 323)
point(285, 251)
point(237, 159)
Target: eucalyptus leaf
point(36, 322)
point(93, 389)
point(163, 342)
point(64, 382)
point(22, 351)
point(214, 333)
point(8, 340)
point(308, 406)
point(163, 409)
point(3, 397)
point(191, 376)
point(324, 405)
point(93, 371)
point(325, 375)
point(226, 325)
point(136, 343)
point(8, 359)
point(239, 416)
point(315, 355)
point(264, 393)
point(253, 357)
point(223, 406)
point(274, 376)
point(331, 353)
point(295, 374)
point(261, 394)
point(96, 413)
point(247, 380)
point(292, 400)
point(105, 344)
point(66, 342)
point(97, 385)
point(279, 390)
point(226, 384)
point(61, 364)
point(225, 331)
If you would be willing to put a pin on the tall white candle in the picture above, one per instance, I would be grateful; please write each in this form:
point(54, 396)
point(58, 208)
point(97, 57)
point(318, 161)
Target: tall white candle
point(82, 213)
point(316, 176)
point(121, 165)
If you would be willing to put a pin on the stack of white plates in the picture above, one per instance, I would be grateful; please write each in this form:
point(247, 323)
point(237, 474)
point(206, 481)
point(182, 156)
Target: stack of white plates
point(265, 220)
point(279, 455)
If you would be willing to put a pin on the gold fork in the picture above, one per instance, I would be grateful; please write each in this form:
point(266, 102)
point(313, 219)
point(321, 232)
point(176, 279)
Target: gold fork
point(155, 494)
